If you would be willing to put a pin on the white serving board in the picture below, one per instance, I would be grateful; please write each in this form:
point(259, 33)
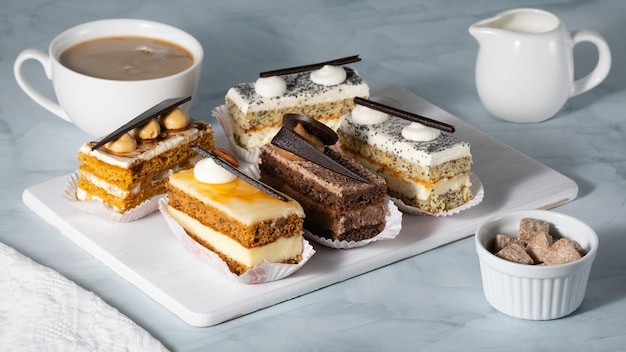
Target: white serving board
point(147, 255)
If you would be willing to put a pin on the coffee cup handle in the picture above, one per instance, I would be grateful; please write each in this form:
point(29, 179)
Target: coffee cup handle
point(39, 98)
point(599, 73)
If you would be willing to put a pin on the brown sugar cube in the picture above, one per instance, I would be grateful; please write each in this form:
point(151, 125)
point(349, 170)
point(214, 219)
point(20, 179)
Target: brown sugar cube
point(580, 249)
point(501, 241)
point(515, 253)
point(538, 247)
point(562, 251)
point(529, 227)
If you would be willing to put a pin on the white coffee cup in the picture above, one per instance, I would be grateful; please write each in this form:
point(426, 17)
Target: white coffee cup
point(99, 106)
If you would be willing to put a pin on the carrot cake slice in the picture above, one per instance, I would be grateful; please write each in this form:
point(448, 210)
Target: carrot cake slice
point(133, 168)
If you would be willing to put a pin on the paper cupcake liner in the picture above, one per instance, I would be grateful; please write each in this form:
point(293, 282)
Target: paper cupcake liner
point(476, 188)
point(100, 209)
point(393, 225)
point(262, 272)
point(249, 155)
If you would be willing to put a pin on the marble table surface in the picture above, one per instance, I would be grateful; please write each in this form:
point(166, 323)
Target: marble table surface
point(430, 302)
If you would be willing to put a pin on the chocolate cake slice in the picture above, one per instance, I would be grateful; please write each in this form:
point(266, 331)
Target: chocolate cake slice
point(337, 206)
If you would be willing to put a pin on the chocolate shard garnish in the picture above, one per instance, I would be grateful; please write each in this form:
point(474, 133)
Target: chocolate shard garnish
point(405, 115)
point(318, 129)
point(297, 69)
point(228, 166)
point(292, 142)
point(161, 108)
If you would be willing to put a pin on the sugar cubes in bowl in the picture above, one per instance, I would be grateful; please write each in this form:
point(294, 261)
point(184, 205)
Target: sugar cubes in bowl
point(538, 266)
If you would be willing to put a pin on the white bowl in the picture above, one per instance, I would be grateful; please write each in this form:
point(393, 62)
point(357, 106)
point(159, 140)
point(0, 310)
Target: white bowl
point(535, 292)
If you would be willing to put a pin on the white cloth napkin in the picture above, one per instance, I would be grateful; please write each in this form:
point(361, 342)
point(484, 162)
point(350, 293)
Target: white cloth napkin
point(41, 310)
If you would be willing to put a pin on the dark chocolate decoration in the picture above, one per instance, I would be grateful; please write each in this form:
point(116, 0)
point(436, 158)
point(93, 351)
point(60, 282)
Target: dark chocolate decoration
point(405, 115)
point(297, 69)
point(292, 142)
point(316, 128)
point(228, 166)
point(161, 108)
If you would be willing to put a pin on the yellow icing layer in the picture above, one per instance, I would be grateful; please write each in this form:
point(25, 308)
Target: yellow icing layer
point(236, 198)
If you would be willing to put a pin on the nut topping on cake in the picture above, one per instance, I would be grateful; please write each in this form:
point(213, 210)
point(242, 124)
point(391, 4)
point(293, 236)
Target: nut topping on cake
point(159, 109)
point(175, 120)
point(150, 130)
point(127, 170)
point(123, 144)
point(224, 154)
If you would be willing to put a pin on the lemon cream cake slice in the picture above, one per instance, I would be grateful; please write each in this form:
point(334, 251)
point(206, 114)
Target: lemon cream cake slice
point(134, 167)
point(235, 219)
point(325, 92)
point(422, 166)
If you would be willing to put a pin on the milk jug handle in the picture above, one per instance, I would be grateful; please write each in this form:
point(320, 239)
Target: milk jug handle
point(44, 60)
point(603, 66)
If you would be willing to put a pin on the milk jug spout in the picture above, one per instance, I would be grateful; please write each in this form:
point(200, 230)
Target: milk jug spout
point(483, 30)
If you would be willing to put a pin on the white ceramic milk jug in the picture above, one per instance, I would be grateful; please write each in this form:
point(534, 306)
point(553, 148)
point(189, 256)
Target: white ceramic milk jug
point(525, 68)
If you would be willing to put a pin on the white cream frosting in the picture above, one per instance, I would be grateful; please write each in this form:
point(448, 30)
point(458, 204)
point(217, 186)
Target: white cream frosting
point(109, 188)
point(207, 171)
point(269, 87)
point(418, 132)
point(419, 190)
point(329, 75)
point(300, 91)
point(366, 116)
point(82, 195)
point(280, 250)
point(422, 191)
point(387, 136)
